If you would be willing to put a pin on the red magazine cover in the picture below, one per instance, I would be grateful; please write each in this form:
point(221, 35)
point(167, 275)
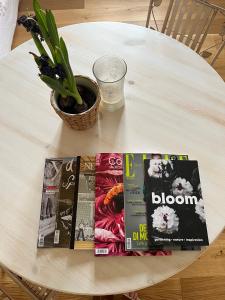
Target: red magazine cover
point(109, 209)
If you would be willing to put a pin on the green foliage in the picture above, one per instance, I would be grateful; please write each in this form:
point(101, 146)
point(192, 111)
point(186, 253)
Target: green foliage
point(52, 29)
point(56, 85)
point(53, 62)
point(64, 50)
point(39, 45)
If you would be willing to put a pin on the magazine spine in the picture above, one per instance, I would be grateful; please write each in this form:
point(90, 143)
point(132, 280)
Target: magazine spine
point(42, 195)
point(74, 217)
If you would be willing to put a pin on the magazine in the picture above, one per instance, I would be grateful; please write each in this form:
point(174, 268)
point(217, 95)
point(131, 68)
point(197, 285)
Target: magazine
point(73, 189)
point(174, 202)
point(109, 208)
point(135, 208)
point(57, 202)
point(84, 227)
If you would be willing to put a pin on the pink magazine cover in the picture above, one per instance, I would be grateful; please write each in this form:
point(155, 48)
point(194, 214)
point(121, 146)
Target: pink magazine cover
point(109, 209)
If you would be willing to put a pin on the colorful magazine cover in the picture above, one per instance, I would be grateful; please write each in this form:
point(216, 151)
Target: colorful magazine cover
point(175, 207)
point(84, 227)
point(135, 207)
point(109, 208)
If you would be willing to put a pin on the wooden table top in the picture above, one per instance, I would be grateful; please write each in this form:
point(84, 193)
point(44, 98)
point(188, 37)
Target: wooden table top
point(174, 104)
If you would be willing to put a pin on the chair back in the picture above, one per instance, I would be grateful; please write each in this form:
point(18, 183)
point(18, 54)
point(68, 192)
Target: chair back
point(189, 21)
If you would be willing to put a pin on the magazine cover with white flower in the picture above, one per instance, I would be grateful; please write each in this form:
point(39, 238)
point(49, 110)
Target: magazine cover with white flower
point(135, 208)
point(174, 203)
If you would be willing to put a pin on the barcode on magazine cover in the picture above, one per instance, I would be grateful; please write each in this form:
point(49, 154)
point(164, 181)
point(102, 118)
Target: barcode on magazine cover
point(56, 237)
point(41, 240)
point(128, 243)
point(104, 251)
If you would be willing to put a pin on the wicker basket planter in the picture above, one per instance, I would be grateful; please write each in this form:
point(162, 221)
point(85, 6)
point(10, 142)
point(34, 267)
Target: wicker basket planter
point(83, 120)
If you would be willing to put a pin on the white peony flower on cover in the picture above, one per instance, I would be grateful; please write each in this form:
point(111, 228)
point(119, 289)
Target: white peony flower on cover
point(181, 187)
point(165, 219)
point(199, 209)
point(159, 167)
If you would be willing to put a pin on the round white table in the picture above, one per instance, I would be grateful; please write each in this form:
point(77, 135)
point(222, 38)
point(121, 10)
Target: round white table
point(174, 104)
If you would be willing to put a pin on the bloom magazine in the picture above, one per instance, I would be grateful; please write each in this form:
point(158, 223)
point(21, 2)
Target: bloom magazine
point(135, 207)
point(175, 207)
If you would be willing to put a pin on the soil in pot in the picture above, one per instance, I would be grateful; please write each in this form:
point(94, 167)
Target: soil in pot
point(70, 106)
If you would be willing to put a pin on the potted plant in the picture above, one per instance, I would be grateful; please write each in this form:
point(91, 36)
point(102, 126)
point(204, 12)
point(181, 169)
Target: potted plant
point(75, 98)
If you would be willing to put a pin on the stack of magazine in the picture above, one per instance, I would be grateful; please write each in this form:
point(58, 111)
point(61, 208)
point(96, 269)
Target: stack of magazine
point(122, 204)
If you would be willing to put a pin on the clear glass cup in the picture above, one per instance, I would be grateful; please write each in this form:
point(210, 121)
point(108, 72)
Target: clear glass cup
point(110, 72)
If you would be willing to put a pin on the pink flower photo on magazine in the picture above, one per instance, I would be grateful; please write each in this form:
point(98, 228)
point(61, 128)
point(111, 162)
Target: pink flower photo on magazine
point(109, 208)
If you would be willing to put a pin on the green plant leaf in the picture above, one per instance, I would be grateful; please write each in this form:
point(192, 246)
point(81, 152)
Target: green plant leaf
point(56, 86)
point(66, 56)
point(62, 60)
point(43, 23)
point(65, 83)
point(64, 49)
point(36, 58)
point(38, 44)
point(36, 5)
point(41, 18)
point(52, 29)
point(70, 77)
point(58, 57)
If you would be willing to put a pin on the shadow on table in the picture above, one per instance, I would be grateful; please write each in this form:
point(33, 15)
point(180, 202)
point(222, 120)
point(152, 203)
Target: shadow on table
point(103, 137)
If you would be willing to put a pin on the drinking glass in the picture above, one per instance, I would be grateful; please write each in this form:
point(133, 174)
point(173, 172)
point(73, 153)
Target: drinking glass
point(110, 72)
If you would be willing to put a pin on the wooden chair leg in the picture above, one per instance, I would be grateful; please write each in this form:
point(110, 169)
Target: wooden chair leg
point(4, 294)
point(132, 296)
point(34, 291)
point(108, 297)
point(218, 53)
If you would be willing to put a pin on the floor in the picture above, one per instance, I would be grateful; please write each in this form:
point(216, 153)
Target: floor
point(204, 279)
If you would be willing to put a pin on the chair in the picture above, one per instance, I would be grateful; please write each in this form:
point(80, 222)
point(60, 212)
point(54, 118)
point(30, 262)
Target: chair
point(34, 291)
point(40, 293)
point(189, 21)
point(4, 295)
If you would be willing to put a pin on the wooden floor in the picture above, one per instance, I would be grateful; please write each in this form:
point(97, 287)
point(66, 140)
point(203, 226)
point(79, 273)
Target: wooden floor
point(204, 279)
